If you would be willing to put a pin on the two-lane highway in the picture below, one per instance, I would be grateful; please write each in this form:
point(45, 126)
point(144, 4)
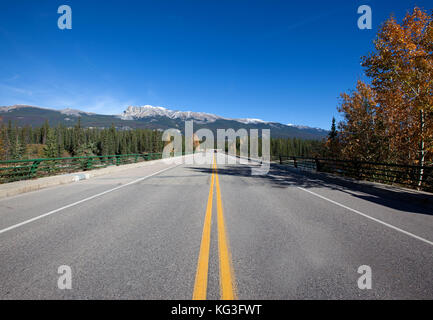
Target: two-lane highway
point(214, 231)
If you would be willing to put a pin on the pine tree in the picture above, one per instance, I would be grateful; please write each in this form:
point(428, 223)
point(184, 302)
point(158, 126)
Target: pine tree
point(2, 147)
point(332, 142)
point(154, 141)
point(105, 144)
point(60, 141)
point(44, 132)
point(51, 145)
point(16, 149)
point(333, 133)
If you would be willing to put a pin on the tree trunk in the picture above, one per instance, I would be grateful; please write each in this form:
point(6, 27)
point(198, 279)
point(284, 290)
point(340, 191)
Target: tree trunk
point(421, 148)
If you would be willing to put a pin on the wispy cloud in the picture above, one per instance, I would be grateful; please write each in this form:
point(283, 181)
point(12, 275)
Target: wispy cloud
point(5, 87)
point(302, 23)
point(12, 78)
point(107, 104)
point(309, 20)
point(62, 97)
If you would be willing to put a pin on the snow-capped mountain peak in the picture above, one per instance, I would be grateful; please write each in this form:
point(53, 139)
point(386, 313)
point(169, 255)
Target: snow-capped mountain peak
point(251, 121)
point(304, 127)
point(74, 112)
point(134, 112)
point(147, 111)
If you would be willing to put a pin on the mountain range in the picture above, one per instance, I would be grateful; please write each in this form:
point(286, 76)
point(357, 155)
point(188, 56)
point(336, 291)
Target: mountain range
point(150, 117)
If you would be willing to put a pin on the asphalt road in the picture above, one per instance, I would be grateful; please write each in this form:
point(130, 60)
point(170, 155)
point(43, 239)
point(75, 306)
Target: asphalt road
point(215, 231)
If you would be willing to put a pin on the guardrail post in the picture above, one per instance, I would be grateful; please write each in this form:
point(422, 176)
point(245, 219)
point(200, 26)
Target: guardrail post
point(357, 170)
point(281, 160)
point(295, 163)
point(117, 160)
point(318, 165)
point(89, 164)
point(34, 168)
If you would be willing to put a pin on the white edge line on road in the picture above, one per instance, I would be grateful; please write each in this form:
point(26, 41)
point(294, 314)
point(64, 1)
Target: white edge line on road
point(368, 217)
point(83, 200)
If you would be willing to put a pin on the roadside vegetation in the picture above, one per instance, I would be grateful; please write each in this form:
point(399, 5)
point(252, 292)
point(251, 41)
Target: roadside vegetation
point(17, 143)
point(389, 118)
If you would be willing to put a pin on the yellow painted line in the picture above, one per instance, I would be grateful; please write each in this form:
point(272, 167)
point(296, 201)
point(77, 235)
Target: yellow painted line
point(200, 286)
point(227, 288)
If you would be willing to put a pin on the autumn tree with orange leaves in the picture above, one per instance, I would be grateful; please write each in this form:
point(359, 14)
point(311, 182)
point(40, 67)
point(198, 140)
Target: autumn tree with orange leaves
point(361, 131)
point(392, 120)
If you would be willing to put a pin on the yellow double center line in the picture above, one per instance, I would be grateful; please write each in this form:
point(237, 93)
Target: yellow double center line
point(227, 288)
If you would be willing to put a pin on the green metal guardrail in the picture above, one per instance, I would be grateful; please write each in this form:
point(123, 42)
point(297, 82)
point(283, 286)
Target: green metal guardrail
point(14, 170)
point(415, 177)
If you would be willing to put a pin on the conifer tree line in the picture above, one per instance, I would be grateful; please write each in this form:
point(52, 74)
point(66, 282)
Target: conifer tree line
point(52, 142)
point(288, 147)
point(17, 143)
point(389, 118)
point(297, 147)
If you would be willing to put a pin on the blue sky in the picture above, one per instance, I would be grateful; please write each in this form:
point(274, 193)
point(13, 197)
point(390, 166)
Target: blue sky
point(284, 61)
